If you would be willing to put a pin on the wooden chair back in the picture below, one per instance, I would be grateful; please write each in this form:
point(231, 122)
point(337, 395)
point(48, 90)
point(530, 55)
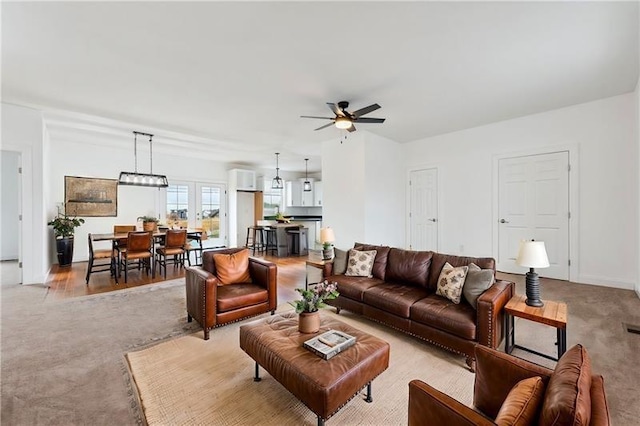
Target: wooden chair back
point(175, 238)
point(139, 241)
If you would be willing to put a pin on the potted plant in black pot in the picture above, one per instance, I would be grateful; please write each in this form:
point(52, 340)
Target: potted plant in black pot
point(64, 227)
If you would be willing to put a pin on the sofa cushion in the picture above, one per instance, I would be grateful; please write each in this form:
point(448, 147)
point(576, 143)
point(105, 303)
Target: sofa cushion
point(522, 404)
point(234, 296)
point(438, 260)
point(445, 315)
point(477, 282)
point(340, 261)
point(451, 282)
point(353, 287)
point(567, 400)
point(394, 298)
point(380, 264)
point(232, 268)
point(360, 263)
point(408, 267)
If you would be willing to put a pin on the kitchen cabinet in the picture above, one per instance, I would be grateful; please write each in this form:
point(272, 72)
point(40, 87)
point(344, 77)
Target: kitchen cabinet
point(242, 180)
point(317, 193)
point(296, 195)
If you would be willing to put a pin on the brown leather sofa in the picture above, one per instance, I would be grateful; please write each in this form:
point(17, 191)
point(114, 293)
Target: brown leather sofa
point(401, 294)
point(570, 394)
point(213, 305)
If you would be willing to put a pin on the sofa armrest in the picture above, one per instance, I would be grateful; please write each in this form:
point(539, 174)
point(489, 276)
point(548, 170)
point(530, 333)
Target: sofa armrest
point(490, 313)
point(201, 287)
point(429, 406)
point(264, 273)
point(496, 374)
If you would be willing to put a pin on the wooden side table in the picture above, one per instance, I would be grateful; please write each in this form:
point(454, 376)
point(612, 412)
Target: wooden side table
point(325, 265)
point(552, 313)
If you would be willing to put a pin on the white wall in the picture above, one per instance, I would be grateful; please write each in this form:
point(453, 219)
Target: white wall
point(637, 117)
point(363, 192)
point(10, 209)
point(603, 134)
point(105, 161)
point(22, 131)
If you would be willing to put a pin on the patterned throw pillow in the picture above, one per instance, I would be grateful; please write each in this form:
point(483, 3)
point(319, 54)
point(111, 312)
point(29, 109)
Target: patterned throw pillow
point(451, 281)
point(360, 263)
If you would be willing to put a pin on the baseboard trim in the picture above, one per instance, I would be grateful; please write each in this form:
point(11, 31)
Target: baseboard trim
point(638, 292)
point(606, 282)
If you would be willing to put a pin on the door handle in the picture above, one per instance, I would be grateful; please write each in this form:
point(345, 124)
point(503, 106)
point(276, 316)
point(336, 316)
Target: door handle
point(504, 221)
point(433, 219)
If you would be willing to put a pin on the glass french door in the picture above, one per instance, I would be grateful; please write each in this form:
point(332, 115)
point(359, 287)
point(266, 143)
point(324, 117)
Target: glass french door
point(198, 205)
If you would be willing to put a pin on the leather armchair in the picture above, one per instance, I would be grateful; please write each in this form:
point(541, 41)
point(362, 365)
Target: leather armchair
point(496, 374)
point(213, 305)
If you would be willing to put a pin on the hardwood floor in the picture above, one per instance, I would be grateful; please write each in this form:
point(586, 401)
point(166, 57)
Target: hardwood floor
point(70, 282)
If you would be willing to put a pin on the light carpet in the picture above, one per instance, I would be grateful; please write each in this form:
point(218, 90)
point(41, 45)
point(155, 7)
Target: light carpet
point(190, 381)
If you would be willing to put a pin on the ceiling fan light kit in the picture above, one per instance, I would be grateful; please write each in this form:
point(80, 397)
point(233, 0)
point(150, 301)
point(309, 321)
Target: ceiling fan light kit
point(277, 183)
point(344, 119)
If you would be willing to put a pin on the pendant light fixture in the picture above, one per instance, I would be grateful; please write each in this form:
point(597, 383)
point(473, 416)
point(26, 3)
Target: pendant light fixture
point(277, 183)
point(307, 185)
point(143, 179)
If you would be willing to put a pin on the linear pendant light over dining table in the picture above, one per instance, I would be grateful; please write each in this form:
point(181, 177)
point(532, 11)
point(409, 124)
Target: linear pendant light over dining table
point(143, 179)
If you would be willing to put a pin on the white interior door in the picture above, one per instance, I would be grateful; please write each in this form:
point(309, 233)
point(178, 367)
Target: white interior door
point(246, 215)
point(423, 209)
point(211, 212)
point(533, 203)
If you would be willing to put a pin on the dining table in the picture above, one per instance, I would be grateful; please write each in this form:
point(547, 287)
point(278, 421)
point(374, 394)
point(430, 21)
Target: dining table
point(158, 236)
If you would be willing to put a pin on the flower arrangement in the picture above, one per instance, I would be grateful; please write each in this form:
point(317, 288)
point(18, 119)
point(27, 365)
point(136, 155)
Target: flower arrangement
point(313, 299)
point(64, 226)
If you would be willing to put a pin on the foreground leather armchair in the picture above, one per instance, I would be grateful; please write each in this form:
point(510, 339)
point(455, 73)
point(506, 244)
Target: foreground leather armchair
point(212, 302)
point(570, 394)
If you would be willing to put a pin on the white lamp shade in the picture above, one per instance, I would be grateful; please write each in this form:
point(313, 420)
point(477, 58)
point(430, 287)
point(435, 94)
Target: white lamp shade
point(327, 235)
point(532, 254)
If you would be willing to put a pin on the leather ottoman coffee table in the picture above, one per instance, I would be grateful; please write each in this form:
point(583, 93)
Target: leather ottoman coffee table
point(324, 386)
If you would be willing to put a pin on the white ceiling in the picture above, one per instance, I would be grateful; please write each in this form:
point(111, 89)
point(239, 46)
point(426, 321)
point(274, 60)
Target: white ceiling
point(230, 80)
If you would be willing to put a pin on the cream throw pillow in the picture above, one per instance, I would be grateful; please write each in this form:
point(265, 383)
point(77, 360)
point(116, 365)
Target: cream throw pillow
point(451, 281)
point(360, 263)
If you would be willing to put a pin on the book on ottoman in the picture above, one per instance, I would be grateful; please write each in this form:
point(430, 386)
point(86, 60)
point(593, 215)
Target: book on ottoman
point(330, 343)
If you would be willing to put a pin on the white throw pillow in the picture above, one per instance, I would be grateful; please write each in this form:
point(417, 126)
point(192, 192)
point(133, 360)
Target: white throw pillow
point(451, 281)
point(360, 263)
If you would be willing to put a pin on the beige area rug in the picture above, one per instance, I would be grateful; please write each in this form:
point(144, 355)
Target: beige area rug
point(190, 381)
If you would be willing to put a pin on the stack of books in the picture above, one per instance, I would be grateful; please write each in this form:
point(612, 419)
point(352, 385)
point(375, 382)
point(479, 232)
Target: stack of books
point(329, 344)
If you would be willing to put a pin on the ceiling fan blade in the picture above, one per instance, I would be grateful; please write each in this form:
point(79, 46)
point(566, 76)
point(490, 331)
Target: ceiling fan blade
point(369, 120)
point(313, 116)
point(337, 111)
point(322, 127)
point(365, 110)
point(352, 128)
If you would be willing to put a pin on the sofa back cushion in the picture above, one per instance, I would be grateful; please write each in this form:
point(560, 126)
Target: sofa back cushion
point(408, 267)
point(567, 400)
point(439, 259)
point(380, 264)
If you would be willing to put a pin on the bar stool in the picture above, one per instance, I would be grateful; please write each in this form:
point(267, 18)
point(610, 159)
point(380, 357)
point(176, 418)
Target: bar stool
point(271, 239)
point(297, 241)
point(255, 239)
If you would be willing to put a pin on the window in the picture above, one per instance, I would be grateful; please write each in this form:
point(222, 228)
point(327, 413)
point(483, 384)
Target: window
point(211, 210)
point(178, 205)
point(272, 203)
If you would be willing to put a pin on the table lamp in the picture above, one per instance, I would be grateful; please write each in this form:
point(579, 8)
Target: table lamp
point(327, 238)
point(532, 254)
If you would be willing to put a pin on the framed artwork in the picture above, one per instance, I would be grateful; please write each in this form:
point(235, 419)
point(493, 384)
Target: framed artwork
point(90, 197)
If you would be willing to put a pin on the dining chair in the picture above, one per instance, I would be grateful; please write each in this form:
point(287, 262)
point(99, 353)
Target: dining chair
point(175, 241)
point(121, 244)
point(140, 248)
point(196, 245)
point(100, 255)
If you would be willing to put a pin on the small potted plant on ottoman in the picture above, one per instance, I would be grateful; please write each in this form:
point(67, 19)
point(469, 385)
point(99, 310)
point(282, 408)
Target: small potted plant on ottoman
point(312, 300)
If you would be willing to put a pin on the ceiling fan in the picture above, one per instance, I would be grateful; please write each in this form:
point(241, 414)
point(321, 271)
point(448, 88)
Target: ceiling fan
point(345, 119)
